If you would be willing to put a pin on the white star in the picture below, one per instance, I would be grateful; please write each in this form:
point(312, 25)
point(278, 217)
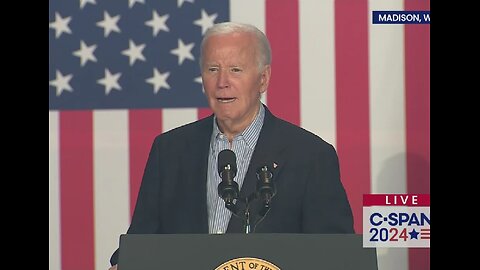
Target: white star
point(134, 52)
point(60, 25)
point(109, 24)
point(85, 53)
point(61, 82)
point(158, 23)
point(183, 51)
point(206, 21)
point(200, 81)
point(180, 2)
point(132, 2)
point(84, 2)
point(159, 80)
point(110, 81)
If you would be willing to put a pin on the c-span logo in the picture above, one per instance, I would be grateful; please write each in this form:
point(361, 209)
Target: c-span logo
point(396, 220)
point(247, 263)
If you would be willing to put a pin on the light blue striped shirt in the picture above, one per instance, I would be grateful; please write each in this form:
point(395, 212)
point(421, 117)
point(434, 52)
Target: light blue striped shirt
point(243, 145)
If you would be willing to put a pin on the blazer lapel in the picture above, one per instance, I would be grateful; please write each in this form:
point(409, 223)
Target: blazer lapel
point(199, 150)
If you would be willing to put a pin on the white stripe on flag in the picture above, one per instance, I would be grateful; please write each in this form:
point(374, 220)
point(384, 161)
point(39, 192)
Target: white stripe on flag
point(172, 118)
point(387, 116)
point(111, 182)
point(54, 260)
point(252, 12)
point(317, 68)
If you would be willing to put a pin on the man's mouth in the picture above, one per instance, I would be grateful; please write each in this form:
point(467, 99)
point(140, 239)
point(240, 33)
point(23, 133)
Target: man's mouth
point(226, 100)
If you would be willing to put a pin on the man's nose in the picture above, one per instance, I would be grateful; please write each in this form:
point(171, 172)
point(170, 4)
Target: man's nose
point(223, 79)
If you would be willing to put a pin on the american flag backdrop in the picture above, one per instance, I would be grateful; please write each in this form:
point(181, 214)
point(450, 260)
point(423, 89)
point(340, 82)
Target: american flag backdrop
point(123, 71)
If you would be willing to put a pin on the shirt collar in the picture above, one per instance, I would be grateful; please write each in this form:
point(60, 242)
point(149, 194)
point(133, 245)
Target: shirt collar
point(250, 134)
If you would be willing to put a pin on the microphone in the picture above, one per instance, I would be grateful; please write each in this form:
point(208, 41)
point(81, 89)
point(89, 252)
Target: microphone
point(265, 186)
point(227, 168)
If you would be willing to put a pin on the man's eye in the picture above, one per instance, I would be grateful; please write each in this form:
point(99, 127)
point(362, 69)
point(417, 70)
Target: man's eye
point(236, 70)
point(213, 69)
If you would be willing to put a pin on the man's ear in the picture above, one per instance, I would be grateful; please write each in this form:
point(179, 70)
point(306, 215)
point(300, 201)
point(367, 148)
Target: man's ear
point(265, 78)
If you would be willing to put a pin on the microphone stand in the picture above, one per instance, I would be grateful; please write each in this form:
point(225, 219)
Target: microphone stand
point(228, 190)
point(247, 224)
point(247, 217)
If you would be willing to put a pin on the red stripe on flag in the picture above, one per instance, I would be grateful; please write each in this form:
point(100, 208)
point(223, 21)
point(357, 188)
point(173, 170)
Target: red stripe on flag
point(353, 126)
point(417, 64)
point(282, 28)
point(76, 189)
point(417, 83)
point(144, 125)
point(203, 112)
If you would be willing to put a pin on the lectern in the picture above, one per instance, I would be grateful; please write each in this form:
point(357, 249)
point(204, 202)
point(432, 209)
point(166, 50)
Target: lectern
point(245, 252)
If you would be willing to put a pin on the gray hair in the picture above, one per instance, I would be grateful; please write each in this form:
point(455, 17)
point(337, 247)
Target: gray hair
point(265, 52)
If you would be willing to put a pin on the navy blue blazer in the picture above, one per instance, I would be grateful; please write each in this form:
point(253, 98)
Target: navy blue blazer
point(310, 197)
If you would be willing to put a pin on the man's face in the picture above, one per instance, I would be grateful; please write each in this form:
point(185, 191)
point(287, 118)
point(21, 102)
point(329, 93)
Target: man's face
point(232, 79)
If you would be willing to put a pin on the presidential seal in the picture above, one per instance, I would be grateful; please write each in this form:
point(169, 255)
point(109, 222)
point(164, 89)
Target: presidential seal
point(247, 263)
